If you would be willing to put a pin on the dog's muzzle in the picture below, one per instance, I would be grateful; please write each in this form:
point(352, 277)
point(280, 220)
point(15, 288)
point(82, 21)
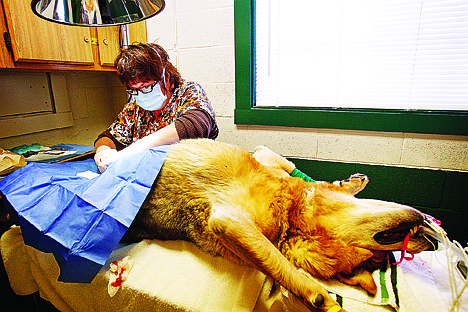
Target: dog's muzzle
point(397, 234)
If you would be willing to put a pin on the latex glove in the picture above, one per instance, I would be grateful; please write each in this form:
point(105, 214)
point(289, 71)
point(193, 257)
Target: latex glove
point(105, 157)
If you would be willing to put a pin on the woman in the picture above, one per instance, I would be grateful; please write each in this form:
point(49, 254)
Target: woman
point(164, 108)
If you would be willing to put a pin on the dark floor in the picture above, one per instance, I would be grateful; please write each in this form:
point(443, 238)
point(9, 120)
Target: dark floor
point(10, 301)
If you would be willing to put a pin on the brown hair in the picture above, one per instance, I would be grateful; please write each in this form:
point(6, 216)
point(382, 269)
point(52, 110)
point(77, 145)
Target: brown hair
point(143, 62)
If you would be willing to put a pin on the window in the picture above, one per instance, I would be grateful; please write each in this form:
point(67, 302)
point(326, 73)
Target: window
point(399, 66)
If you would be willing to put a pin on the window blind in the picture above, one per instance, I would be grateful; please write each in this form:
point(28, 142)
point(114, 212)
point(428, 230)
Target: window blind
point(398, 54)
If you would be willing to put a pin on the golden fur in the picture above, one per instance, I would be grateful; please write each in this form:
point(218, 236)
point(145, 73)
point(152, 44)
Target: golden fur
point(248, 209)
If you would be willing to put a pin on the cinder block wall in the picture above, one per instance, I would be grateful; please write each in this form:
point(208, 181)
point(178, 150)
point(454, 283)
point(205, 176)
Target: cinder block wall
point(199, 36)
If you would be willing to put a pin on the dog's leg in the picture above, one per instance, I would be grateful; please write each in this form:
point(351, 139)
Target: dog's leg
point(238, 233)
point(279, 165)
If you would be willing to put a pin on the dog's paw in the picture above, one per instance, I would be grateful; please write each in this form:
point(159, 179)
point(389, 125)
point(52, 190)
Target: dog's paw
point(354, 184)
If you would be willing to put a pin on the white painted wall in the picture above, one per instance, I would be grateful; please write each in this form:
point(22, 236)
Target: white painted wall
point(199, 37)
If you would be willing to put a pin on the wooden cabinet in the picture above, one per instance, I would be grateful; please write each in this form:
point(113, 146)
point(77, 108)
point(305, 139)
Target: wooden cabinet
point(39, 44)
point(34, 39)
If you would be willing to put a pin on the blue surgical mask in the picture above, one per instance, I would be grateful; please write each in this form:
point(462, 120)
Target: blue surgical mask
point(151, 101)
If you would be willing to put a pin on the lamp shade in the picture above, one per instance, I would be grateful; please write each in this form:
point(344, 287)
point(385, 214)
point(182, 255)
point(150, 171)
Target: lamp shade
point(96, 12)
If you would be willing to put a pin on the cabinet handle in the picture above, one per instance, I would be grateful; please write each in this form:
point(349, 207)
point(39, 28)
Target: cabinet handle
point(105, 41)
point(86, 39)
point(7, 39)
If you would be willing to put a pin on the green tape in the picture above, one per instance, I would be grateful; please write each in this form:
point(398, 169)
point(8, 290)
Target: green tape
point(299, 174)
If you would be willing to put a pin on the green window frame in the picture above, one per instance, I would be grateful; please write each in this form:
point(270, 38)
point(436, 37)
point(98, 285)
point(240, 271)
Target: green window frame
point(246, 113)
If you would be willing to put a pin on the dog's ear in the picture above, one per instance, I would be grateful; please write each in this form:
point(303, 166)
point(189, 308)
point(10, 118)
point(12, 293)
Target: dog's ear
point(322, 256)
point(308, 254)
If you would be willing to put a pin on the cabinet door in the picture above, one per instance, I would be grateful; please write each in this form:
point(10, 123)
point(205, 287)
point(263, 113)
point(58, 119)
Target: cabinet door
point(109, 40)
point(5, 57)
point(137, 32)
point(37, 40)
point(109, 44)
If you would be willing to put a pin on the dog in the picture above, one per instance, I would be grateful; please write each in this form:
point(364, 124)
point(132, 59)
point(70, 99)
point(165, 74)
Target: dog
point(247, 208)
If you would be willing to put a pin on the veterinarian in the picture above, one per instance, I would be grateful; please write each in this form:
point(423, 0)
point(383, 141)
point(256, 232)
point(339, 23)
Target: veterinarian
point(163, 109)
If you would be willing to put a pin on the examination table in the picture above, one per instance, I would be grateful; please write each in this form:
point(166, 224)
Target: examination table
point(177, 276)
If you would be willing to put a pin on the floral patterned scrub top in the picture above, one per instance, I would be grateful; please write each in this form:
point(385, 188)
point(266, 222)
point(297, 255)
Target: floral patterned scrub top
point(134, 122)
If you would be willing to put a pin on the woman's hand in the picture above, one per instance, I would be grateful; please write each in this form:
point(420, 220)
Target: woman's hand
point(104, 157)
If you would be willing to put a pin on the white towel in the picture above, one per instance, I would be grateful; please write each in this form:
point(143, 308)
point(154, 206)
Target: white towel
point(428, 282)
point(422, 284)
